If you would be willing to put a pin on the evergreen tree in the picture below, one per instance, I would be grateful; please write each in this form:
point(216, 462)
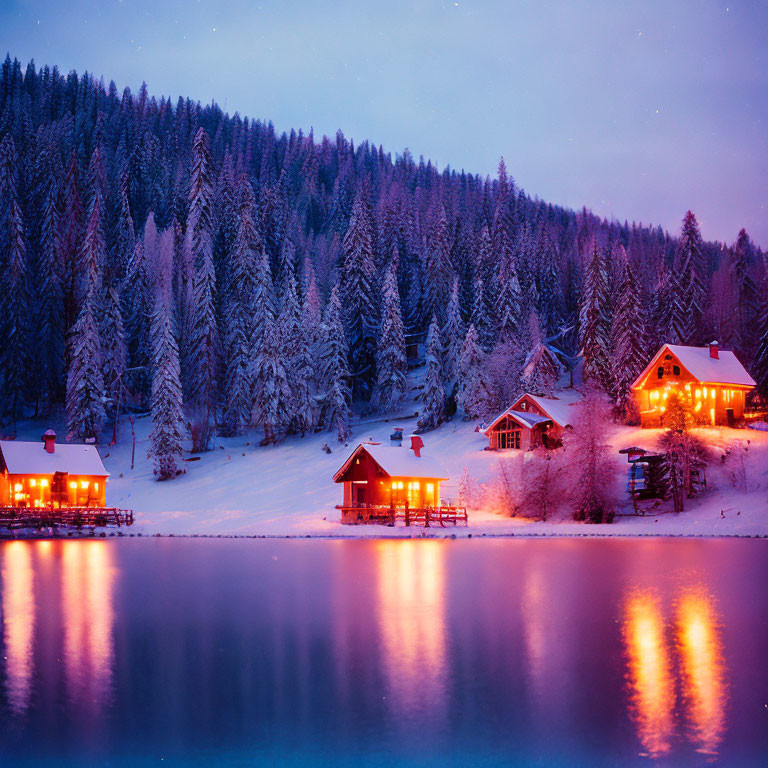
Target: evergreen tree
point(746, 321)
point(167, 407)
point(629, 341)
point(335, 390)
point(595, 322)
point(357, 291)
point(690, 270)
point(433, 413)
point(113, 349)
point(438, 267)
point(479, 317)
point(272, 407)
point(452, 335)
point(760, 365)
point(391, 362)
point(541, 370)
point(14, 291)
point(473, 395)
point(85, 383)
point(204, 334)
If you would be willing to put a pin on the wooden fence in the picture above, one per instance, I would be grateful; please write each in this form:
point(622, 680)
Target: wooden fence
point(74, 517)
point(362, 514)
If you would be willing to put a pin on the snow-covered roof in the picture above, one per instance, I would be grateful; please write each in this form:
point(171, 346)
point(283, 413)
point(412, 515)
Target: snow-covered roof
point(399, 462)
point(724, 369)
point(31, 458)
point(558, 409)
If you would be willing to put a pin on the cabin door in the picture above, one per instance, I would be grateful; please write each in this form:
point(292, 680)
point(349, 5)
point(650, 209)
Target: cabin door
point(359, 495)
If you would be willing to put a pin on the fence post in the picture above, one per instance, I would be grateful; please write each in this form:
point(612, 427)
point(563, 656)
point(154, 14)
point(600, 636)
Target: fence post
point(407, 515)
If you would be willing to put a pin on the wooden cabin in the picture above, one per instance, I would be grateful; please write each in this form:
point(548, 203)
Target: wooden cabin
point(531, 421)
point(388, 478)
point(46, 474)
point(712, 379)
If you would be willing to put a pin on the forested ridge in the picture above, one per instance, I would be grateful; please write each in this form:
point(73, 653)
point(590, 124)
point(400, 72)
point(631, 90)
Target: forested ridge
point(168, 256)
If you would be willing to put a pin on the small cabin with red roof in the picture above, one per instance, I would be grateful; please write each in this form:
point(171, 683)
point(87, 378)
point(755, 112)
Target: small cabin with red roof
point(388, 477)
point(713, 381)
point(531, 421)
point(46, 474)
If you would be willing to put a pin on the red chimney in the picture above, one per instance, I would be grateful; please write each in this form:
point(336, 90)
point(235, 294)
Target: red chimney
point(416, 445)
point(49, 438)
point(713, 351)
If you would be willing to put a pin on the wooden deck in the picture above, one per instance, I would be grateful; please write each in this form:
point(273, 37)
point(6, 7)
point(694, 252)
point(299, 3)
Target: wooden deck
point(71, 517)
point(371, 514)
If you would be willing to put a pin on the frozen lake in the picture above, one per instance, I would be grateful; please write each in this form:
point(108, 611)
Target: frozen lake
point(524, 652)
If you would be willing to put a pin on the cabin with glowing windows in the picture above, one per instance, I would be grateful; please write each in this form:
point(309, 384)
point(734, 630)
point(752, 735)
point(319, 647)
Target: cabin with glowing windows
point(712, 380)
point(531, 421)
point(388, 478)
point(35, 475)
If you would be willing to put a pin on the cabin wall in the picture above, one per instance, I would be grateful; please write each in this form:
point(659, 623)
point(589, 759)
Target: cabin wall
point(35, 490)
point(711, 402)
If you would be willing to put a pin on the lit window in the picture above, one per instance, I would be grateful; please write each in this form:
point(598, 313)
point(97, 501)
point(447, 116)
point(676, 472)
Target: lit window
point(698, 393)
point(705, 392)
point(44, 483)
point(95, 486)
point(73, 486)
point(17, 487)
point(84, 484)
point(33, 482)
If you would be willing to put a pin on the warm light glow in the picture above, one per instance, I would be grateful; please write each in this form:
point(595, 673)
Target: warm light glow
point(411, 618)
point(703, 670)
point(688, 387)
point(73, 485)
point(663, 408)
point(666, 394)
point(18, 622)
point(95, 486)
point(705, 392)
point(44, 483)
point(698, 407)
point(712, 415)
point(87, 586)
point(697, 393)
point(652, 689)
point(33, 482)
point(84, 484)
point(17, 487)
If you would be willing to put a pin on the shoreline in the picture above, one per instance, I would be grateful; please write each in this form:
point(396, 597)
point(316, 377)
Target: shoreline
point(410, 537)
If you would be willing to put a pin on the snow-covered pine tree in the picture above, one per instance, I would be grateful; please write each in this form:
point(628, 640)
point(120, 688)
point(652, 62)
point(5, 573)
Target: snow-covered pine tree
point(691, 274)
point(548, 284)
point(590, 468)
point(479, 317)
point(203, 352)
point(70, 233)
point(272, 408)
point(541, 370)
point(437, 266)
point(357, 280)
point(746, 321)
point(167, 433)
point(433, 412)
point(335, 390)
point(243, 313)
point(85, 383)
point(298, 362)
point(49, 332)
point(14, 291)
point(473, 395)
point(391, 363)
point(452, 335)
point(760, 365)
point(595, 322)
point(629, 339)
point(113, 348)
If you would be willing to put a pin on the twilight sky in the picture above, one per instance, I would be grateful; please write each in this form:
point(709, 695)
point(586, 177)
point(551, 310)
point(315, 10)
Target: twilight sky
point(637, 112)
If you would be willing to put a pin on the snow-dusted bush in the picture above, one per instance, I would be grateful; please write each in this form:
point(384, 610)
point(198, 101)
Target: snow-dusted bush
point(543, 484)
point(590, 467)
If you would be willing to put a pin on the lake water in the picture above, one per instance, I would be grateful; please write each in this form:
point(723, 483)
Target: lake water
point(419, 652)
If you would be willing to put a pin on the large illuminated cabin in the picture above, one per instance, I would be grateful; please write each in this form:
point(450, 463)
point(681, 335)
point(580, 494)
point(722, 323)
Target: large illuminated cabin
point(712, 379)
point(531, 421)
point(35, 475)
point(388, 477)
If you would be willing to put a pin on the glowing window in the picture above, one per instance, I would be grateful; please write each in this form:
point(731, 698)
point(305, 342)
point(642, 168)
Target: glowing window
point(17, 487)
point(44, 483)
point(84, 484)
point(73, 485)
point(33, 482)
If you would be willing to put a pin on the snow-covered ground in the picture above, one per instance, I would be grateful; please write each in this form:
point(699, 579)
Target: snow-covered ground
point(242, 489)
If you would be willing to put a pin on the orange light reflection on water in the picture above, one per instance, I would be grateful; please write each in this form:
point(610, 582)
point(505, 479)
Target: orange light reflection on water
point(652, 688)
point(88, 581)
point(703, 670)
point(411, 617)
point(18, 622)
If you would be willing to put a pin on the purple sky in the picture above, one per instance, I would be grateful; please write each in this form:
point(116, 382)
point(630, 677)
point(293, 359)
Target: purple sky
point(638, 113)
